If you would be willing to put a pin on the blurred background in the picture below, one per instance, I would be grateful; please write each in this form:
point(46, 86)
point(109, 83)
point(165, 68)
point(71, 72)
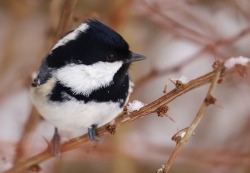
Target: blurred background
point(181, 37)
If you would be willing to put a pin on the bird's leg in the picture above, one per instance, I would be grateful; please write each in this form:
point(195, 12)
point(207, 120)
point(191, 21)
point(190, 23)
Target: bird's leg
point(92, 133)
point(55, 144)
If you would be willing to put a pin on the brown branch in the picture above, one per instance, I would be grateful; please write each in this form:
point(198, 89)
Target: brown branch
point(65, 19)
point(123, 119)
point(209, 45)
point(176, 26)
point(29, 128)
point(155, 73)
point(221, 42)
point(207, 101)
point(33, 120)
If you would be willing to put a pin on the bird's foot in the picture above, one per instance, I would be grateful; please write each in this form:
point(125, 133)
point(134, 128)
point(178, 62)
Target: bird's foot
point(92, 133)
point(55, 144)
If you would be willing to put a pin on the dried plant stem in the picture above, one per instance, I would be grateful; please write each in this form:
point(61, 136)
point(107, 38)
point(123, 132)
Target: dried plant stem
point(34, 117)
point(29, 128)
point(195, 122)
point(64, 23)
point(209, 47)
point(124, 118)
point(174, 25)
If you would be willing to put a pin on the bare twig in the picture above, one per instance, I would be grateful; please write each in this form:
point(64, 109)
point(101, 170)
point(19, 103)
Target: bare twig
point(33, 119)
point(184, 31)
point(64, 22)
point(211, 45)
point(196, 55)
point(29, 128)
point(125, 118)
point(206, 102)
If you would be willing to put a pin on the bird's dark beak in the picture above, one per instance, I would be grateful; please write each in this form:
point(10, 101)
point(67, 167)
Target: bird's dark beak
point(135, 57)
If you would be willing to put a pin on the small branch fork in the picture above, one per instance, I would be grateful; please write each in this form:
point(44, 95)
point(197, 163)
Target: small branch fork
point(207, 101)
point(124, 118)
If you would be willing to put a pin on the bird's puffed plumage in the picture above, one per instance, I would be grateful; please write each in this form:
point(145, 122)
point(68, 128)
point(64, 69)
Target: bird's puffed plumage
point(84, 79)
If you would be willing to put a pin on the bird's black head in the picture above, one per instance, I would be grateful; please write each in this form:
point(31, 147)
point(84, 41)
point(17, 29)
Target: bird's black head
point(90, 43)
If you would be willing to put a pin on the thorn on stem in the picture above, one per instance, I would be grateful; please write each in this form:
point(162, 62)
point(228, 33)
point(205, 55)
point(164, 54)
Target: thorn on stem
point(221, 80)
point(165, 89)
point(166, 85)
point(111, 129)
point(170, 118)
point(179, 84)
point(161, 170)
point(161, 111)
point(48, 143)
point(35, 168)
point(125, 109)
point(210, 100)
point(216, 64)
point(179, 135)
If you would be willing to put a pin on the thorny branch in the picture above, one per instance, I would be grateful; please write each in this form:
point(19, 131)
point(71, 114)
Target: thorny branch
point(125, 118)
point(207, 101)
point(210, 45)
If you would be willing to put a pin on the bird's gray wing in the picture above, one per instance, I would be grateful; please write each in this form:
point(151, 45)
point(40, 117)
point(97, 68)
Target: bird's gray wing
point(131, 85)
point(43, 74)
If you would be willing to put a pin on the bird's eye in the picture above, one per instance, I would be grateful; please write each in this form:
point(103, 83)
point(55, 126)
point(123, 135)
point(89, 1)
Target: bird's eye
point(111, 58)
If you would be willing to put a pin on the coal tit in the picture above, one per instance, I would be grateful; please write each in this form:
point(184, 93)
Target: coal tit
point(83, 82)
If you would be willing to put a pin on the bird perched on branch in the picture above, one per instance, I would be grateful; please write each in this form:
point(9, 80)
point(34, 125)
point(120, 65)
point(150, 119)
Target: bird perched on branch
point(83, 82)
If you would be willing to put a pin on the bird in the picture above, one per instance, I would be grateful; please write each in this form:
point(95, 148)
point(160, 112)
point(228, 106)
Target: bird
point(83, 82)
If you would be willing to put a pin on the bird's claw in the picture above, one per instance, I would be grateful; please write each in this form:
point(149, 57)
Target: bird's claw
point(55, 144)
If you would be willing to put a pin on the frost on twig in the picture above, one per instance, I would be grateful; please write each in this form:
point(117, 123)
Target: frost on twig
point(134, 106)
point(230, 63)
point(152, 107)
point(5, 164)
point(182, 138)
point(183, 79)
point(161, 170)
point(161, 111)
point(179, 135)
point(178, 82)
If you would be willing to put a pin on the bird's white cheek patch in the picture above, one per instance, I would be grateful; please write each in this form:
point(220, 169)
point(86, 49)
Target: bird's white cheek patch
point(84, 79)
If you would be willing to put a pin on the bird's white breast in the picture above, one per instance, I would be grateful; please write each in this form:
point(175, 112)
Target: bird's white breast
point(72, 115)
